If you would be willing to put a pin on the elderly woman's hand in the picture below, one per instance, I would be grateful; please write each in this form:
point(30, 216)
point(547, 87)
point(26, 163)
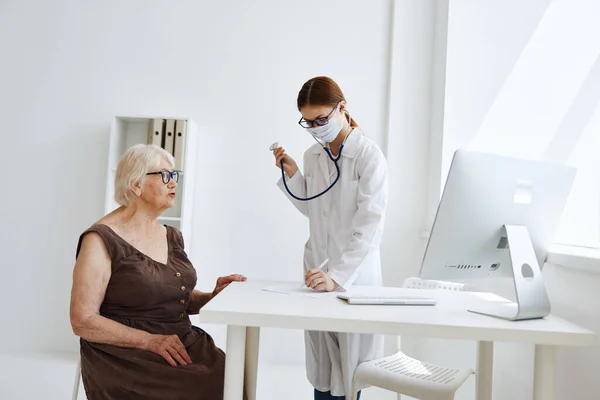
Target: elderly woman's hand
point(168, 347)
point(224, 281)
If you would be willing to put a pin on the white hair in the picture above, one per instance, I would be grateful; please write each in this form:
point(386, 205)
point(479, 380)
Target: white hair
point(133, 166)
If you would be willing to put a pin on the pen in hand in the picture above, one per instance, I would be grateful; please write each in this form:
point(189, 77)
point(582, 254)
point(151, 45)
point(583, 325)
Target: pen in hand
point(319, 267)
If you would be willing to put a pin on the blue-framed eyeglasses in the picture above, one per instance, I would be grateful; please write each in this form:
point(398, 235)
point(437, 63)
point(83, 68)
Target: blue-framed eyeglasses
point(166, 175)
point(307, 123)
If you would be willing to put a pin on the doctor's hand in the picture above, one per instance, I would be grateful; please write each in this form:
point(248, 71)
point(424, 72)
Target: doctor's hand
point(224, 281)
point(289, 165)
point(318, 280)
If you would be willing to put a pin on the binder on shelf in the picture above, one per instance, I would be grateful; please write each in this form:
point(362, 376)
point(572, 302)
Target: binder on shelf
point(180, 136)
point(155, 132)
point(169, 135)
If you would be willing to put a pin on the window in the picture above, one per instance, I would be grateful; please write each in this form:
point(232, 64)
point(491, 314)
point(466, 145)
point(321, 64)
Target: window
point(531, 91)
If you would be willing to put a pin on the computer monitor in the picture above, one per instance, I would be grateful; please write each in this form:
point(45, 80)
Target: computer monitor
point(497, 219)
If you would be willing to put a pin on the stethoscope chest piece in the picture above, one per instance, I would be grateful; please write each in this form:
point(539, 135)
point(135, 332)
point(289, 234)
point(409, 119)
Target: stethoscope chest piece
point(335, 163)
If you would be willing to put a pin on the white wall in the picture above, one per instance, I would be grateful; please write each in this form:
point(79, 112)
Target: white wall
point(574, 296)
point(234, 67)
point(482, 52)
point(531, 91)
point(414, 118)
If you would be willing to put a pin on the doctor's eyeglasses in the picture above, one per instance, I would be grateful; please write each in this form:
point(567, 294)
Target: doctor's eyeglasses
point(307, 123)
point(166, 175)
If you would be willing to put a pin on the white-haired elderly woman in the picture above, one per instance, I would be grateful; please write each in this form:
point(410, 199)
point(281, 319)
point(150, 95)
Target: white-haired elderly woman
point(133, 289)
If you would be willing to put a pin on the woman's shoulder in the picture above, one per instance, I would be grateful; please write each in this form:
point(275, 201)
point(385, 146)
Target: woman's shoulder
point(94, 238)
point(99, 227)
point(369, 148)
point(102, 233)
point(315, 149)
point(175, 235)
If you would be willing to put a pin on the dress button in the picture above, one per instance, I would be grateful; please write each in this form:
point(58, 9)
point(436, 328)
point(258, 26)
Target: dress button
point(323, 247)
point(177, 274)
point(181, 315)
point(182, 288)
point(182, 301)
point(325, 214)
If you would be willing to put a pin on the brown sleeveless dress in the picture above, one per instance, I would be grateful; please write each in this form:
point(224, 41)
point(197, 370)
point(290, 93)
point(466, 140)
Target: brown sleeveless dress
point(145, 294)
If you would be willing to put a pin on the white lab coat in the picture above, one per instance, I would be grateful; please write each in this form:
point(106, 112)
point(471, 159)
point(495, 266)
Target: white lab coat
point(346, 226)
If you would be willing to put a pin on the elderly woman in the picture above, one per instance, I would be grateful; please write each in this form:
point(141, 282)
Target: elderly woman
point(133, 291)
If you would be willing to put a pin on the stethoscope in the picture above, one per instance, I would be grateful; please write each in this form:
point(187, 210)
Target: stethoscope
point(331, 157)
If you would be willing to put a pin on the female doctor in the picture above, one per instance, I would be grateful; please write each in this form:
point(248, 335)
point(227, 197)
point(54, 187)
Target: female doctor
point(346, 225)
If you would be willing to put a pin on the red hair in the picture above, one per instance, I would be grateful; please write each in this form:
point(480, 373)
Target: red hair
point(321, 91)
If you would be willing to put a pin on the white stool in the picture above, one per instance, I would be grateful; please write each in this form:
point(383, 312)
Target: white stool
point(405, 375)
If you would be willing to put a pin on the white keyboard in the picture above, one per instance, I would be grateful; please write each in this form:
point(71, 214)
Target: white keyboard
point(387, 300)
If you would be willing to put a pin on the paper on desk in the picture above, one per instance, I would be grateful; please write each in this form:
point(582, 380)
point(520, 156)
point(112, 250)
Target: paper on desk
point(294, 289)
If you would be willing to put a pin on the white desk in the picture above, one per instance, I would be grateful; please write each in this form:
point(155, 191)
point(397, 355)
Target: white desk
point(245, 307)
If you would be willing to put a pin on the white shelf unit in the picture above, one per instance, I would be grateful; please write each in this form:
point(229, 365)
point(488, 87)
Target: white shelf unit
point(129, 131)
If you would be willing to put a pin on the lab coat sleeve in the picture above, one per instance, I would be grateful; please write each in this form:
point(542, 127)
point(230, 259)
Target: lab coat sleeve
point(367, 223)
point(297, 184)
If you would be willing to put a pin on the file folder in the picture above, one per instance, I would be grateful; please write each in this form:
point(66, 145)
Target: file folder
point(180, 137)
point(155, 132)
point(169, 135)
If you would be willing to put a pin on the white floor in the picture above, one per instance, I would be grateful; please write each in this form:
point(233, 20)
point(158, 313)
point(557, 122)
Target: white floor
point(50, 376)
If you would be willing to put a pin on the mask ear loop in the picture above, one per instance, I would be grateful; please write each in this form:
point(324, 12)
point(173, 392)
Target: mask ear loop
point(350, 129)
point(326, 145)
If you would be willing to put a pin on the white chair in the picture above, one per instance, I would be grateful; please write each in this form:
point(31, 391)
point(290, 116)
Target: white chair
point(77, 379)
point(405, 375)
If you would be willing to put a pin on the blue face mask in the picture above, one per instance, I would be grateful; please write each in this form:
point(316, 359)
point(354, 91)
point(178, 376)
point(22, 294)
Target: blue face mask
point(326, 133)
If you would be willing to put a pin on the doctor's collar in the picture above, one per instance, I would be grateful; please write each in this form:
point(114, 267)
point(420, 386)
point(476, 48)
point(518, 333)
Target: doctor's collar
point(350, 146)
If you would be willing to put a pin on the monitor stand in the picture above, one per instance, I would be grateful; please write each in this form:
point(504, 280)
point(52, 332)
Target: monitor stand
point(532, 299)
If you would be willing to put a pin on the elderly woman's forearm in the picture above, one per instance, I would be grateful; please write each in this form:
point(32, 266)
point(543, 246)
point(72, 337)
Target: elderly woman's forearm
point(198, 300)
point(99, 329)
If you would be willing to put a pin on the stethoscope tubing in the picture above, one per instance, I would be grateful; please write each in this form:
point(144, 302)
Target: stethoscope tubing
point(337, 168)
